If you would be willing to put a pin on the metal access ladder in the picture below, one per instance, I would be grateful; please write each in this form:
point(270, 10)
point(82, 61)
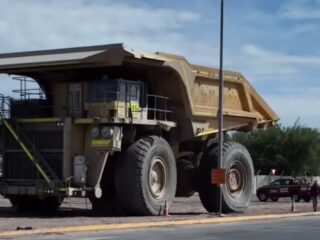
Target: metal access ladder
point(34, 156)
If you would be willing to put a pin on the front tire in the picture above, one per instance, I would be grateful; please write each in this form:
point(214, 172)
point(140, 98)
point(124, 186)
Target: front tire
point(146, 177)
point(237, 192)
point(107, 204)
point(295, 197)
point(33, 204)
point(262, 197)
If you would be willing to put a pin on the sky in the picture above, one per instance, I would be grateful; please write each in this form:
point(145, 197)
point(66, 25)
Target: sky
point(274, 44)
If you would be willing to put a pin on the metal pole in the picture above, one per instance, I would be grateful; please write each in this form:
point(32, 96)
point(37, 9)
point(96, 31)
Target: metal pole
point(220, 112)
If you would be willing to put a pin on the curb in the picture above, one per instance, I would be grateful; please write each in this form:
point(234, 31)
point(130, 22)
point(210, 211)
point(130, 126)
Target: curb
point(126, 226)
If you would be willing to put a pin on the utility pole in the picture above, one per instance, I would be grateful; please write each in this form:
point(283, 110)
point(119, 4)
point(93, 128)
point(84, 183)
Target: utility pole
point(220, 111)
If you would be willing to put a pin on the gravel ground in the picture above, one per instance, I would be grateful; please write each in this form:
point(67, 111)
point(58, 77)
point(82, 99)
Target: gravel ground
point(75, 212)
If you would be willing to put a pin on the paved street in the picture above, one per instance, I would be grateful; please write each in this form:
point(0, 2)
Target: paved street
point(77, 212)
point(306, 228)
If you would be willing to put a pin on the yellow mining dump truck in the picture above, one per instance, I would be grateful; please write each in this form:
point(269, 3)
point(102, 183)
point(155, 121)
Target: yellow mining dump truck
point(129, 130)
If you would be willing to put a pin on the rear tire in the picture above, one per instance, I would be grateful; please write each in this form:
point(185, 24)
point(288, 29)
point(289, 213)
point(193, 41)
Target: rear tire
point(146, 177)
point(237, 192)
point(275, 199)
point(186, 175)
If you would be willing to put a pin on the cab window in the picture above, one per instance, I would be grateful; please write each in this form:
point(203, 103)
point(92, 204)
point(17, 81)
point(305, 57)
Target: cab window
point(122, 91)
point(134, 92)
point(286, 182)
point(275, 183)
point(103, 90)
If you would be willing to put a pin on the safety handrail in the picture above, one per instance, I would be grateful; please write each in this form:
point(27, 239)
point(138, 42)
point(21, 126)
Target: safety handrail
point(160, 107)
point(25, 92)
point(34, 156)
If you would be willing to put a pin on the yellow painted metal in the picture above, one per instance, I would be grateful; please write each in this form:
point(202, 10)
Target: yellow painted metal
point(39, 120)
point(120, 109)
point(83, 120)
point(134, 107)
point(212, 131)
point(191, 89)
point(100, 142)
point(26, 150)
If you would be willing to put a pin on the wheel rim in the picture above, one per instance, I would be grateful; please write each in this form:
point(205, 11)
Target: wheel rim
point(157, 177)
point(262, 196)
point(236, 180)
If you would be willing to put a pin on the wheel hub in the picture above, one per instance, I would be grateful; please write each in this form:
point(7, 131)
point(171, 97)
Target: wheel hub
point(157, 177)
point(236, 180)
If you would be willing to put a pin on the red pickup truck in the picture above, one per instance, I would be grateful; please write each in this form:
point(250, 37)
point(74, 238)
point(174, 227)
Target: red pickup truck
point(298, 188)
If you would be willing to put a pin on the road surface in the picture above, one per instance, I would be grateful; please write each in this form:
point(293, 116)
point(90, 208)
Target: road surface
point(305, 228)
point(76, 212)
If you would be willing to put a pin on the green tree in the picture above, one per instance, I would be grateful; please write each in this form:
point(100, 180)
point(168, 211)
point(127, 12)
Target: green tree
point(290, 150)
point(300, 147)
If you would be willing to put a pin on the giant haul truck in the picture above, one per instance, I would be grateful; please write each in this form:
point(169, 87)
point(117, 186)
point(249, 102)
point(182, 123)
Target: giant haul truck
point(126, 129)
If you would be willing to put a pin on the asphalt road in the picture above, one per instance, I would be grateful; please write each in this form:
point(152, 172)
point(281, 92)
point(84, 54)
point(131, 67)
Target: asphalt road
point(76, 212)
point(305, 228)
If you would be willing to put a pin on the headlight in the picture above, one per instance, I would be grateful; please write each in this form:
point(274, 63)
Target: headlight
point(95, 132)
point(107, 132)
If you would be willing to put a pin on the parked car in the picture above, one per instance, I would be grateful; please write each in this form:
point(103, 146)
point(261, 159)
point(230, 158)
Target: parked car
point(298, 188)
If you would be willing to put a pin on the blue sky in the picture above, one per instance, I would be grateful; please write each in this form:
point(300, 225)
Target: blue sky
point(275, 44)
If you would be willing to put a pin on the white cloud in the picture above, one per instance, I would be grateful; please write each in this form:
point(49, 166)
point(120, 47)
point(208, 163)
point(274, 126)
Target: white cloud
point(280, 58)
point(37, 24)
point(292, 105)
point(298, 10)
point(306, 28)
point(292, 82)
point(51, 24)
point(264, 63)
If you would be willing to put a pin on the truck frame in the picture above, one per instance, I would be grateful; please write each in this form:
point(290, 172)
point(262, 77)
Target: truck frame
point(127, 129)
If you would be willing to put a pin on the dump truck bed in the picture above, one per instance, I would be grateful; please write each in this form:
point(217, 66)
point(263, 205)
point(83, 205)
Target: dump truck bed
point(193, 89)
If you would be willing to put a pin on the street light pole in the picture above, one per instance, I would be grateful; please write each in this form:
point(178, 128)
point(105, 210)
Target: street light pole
point(220, 111)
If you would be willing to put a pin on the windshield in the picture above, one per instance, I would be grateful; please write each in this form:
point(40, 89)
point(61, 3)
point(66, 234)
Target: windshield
point(103, 90)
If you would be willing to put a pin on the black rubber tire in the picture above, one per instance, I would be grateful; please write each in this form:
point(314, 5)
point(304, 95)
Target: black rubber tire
point(186, 175)
point(295, 197)
point(307, 199)
point(132, 178)
point(233, 153)
point(107, 204)
point(274, 199)
point(33, 204)
point(104, 206)
point(262, 197)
